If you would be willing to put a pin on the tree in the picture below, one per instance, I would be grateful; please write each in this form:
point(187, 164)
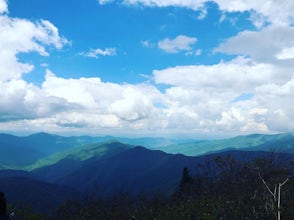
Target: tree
point(186, 181)
point(276, 195)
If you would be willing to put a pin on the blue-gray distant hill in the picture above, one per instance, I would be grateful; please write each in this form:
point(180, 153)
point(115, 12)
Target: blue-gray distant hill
point(255, 142)
point(19, 152)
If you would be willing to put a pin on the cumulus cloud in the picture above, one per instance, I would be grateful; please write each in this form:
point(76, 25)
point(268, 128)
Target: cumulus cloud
point(205, 96)
point(200, 99)
point(119, 102)
point(19, 99)
point(76, 103)
point(95, 53)
point(23, 36)
point(180, 43)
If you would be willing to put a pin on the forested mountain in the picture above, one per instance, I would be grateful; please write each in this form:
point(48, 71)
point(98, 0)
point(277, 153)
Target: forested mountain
point(19, 152)
point(105, 170)
point(133, 177)
point(62, 164)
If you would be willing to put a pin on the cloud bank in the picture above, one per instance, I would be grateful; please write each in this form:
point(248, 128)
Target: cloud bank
point(198, 99)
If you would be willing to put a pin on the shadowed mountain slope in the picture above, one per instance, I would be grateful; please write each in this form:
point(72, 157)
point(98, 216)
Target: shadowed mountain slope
point(40, 196)
point(135, 170)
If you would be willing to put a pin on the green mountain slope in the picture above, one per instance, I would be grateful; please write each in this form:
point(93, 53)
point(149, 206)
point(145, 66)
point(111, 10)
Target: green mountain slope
point(18, 152)
point(59, 165)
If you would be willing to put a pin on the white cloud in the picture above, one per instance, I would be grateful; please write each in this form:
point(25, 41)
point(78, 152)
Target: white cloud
point(177, 44)
point(264, 45)
point(200, 99)
point(22, 36)
point(21, 100)
point(286, 53)
point(238, 74)
point(3, 6)
point(95, 53)
point(125, 102)
point(207, 94)
point(274, 11)
point(134, 105)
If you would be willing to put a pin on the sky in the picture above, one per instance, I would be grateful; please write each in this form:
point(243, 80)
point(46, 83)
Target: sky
point(181, 68)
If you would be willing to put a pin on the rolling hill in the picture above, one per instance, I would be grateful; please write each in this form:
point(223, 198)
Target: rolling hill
point(254, 142)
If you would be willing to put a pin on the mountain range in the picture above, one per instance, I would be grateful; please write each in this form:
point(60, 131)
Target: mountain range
point(45, 170)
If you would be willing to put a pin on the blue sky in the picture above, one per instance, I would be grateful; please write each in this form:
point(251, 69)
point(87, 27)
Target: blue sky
point(192, 68)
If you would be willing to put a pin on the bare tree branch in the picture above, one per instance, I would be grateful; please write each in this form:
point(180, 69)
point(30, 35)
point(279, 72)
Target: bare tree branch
point(273, 194)
point(285, 181)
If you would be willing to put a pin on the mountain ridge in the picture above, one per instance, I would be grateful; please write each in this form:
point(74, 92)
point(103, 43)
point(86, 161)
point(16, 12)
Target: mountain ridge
point(26, 152)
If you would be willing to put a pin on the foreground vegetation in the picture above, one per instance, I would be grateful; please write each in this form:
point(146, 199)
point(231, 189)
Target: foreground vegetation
point(222, 188)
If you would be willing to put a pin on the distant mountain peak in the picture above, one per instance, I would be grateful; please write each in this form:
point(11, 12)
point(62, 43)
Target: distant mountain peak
point(43, 134)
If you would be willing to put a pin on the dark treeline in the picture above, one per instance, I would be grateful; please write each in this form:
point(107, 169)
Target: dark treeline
point(221, 188)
